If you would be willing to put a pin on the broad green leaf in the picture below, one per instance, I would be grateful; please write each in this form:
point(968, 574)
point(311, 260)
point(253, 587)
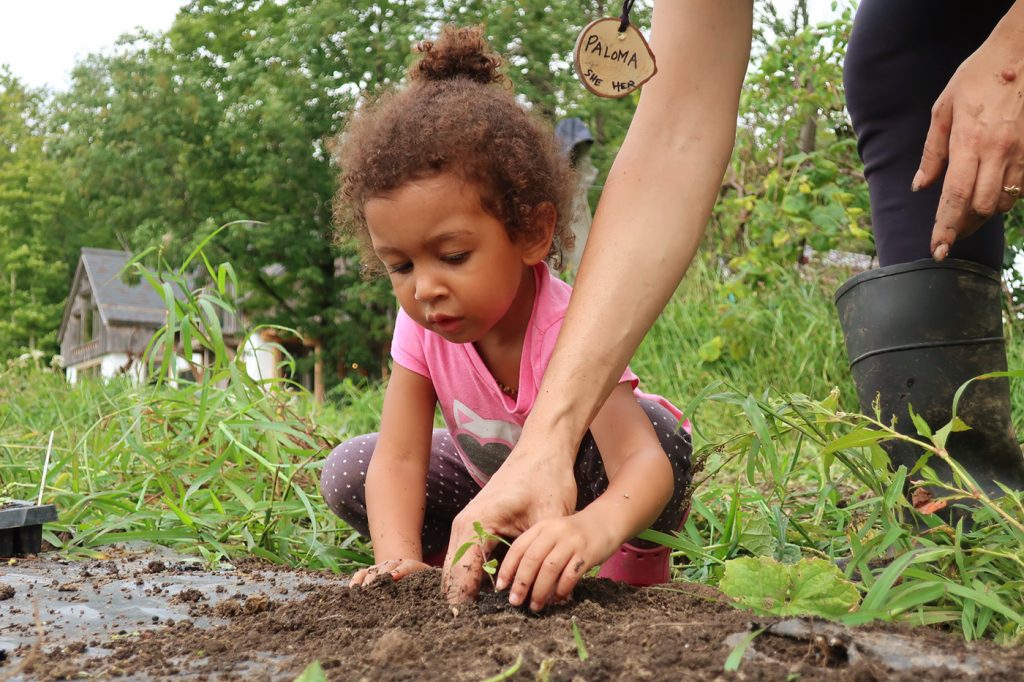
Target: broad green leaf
point(757, 536)
point(812, 586)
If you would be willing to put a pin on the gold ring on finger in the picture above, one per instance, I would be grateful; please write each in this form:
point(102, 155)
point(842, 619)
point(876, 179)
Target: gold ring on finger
point(1012, 190)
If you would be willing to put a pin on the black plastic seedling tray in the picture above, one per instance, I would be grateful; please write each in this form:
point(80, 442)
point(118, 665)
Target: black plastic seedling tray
point(21, 527)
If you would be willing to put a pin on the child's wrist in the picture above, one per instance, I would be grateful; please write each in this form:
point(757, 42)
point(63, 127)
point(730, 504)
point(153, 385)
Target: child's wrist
point(611, 528)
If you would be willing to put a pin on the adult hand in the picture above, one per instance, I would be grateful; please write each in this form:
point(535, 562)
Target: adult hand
point(395, 568)
point(977, 134)
point(549, 559)
point(536, 482)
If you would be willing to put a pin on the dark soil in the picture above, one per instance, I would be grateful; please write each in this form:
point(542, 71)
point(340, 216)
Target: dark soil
point(405, 631)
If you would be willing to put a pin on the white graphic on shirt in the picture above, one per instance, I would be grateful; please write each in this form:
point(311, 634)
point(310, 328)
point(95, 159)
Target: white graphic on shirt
point(486, 442)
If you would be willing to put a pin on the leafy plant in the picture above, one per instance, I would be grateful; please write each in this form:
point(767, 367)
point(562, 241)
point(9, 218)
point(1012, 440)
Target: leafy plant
point(810, 587)
point(221, 463)
point(482, 536)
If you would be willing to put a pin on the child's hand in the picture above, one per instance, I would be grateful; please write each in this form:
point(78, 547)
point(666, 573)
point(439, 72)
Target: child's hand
point(396, 568)
point(552, 556)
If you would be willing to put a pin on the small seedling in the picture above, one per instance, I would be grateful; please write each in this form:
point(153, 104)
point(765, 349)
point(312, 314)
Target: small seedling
point(482, 536)
point(581, 648)
point(732, 663)
point(509, 672)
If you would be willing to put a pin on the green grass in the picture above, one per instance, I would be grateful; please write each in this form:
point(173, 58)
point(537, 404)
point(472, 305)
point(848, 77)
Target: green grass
point(228, 466)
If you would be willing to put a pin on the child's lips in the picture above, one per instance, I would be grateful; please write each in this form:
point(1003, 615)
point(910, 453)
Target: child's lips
point(445, 323)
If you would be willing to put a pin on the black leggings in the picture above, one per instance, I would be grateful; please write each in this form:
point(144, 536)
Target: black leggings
point(900, 57)
point(450, 487)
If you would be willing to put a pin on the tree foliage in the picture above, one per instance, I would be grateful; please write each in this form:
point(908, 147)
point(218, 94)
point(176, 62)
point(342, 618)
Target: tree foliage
point(228, 114)
point(32, 271)
point(227, 117)
point(795, 179)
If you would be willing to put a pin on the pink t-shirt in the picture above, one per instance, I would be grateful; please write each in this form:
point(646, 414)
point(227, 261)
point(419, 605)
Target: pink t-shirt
point(483, 421)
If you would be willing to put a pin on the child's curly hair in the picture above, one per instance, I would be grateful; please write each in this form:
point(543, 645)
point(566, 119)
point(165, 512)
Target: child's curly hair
point(456, 114)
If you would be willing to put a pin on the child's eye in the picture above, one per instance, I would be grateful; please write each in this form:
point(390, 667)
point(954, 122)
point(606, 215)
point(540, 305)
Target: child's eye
point(455, 257)
point(399, 269)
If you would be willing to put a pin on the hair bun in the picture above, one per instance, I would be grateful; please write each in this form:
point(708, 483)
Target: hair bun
point(457, 53)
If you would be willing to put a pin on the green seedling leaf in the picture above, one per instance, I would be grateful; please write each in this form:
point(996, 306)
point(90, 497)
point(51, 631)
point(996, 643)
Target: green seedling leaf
point(732, 663)
point(919, 423)
point(491, 567)
point(313, 673)
point(461, 551)
point(581, 648)
point(811, 586)
point(509, 672)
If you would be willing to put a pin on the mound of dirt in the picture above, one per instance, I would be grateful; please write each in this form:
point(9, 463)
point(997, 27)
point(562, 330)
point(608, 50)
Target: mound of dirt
point(405, 631)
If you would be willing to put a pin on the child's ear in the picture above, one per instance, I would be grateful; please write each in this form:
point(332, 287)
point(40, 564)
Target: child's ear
point(537, 245)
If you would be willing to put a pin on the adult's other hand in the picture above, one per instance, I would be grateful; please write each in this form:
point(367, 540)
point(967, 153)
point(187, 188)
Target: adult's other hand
point(977, 135)
point(536, 482)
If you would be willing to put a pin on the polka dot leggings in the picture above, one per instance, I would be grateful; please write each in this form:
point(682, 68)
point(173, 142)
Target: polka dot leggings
point(450, 487)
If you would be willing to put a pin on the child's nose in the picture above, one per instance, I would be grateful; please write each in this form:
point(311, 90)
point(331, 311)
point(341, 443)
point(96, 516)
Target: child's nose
point(429, 287)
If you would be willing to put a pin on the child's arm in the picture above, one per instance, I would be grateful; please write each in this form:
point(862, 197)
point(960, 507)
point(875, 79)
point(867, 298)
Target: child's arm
point(396, 480)
point(553, 554)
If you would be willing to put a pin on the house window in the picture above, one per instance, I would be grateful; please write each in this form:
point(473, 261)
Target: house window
point(90, 328)
point(87, 320)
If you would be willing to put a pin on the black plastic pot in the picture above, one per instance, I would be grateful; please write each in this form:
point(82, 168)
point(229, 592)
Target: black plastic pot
point(21, 527)
point(915, 332)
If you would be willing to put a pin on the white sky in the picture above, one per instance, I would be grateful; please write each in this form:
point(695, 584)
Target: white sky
point(40, 40)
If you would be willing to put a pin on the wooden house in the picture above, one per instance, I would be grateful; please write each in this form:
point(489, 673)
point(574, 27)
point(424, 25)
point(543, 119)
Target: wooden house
point(108, 322)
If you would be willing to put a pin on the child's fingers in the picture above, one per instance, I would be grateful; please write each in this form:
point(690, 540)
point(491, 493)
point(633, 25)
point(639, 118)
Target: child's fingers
point(530, 565)
point(365, 577)
point(551, 569)
point(509, 565)
point(407, 568)
point(574, 570)
point(358, 578)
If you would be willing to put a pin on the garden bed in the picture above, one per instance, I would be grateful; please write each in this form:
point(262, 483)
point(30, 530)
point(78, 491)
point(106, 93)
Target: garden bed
point(262, 622)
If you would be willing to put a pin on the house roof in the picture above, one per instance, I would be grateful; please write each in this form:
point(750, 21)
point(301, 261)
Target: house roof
point(118, 302)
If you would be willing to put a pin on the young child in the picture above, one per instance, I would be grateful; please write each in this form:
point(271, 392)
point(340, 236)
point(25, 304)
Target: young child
point(462, 196)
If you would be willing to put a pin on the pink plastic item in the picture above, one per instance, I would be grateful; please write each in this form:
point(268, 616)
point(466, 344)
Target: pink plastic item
point(639, 566)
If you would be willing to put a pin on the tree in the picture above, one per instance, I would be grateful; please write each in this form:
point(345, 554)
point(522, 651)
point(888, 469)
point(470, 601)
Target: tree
point(225, 118)
point(32, 270)
point(795, 178)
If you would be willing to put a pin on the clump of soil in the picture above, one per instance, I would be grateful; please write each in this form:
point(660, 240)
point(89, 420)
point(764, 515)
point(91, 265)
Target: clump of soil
point(189, 596)
point(6, 592)
point(405, 631)
point(234, 607)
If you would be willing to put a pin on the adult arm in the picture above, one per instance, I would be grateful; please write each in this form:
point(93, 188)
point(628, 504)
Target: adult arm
point(547, 561)
point(396, 479)
point(656, 203)
point(977, 136)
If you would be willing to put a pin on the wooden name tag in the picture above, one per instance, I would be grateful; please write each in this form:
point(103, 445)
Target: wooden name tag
point(613, 64)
